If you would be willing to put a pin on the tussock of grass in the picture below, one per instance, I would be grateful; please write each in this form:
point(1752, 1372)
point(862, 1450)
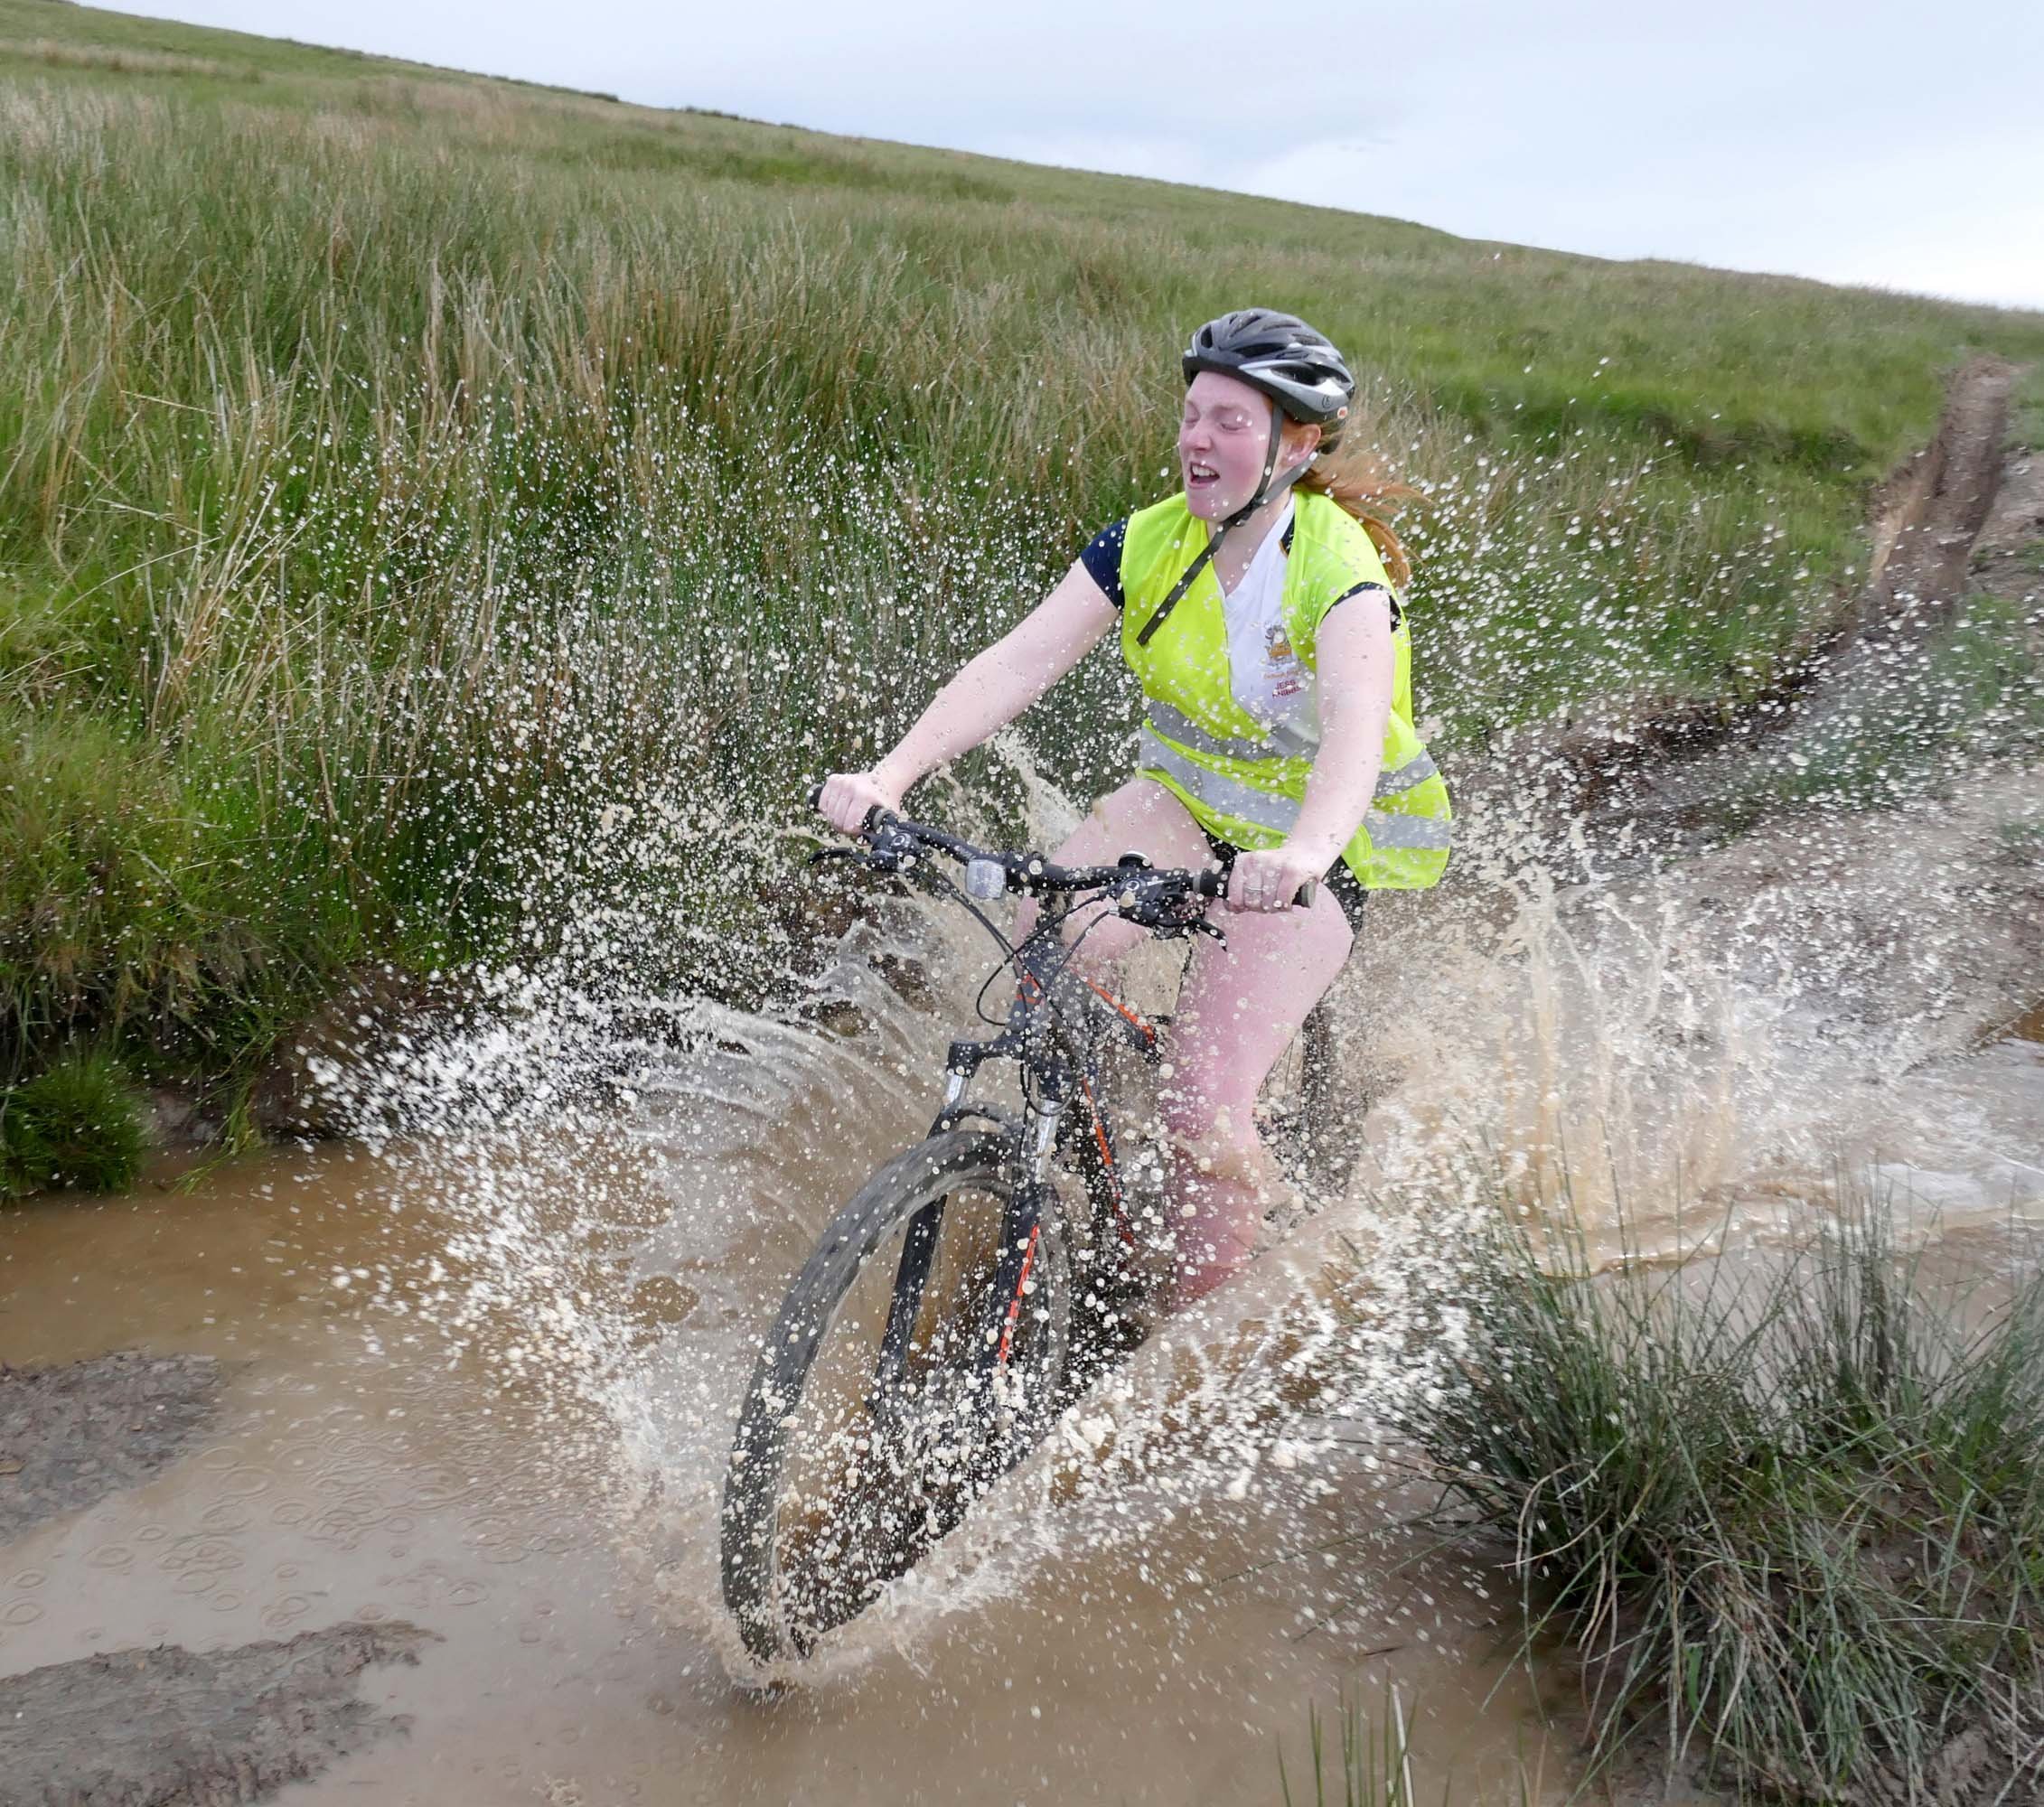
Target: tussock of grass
point(1795, 1527)
point(76, 1124)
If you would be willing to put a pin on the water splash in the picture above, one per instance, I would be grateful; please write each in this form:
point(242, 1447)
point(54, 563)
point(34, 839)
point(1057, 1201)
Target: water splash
point(1678, 1051)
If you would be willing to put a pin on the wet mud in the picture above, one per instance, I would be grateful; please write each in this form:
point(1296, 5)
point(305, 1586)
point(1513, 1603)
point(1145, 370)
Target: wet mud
point(170, 1728)
point(71, 1435)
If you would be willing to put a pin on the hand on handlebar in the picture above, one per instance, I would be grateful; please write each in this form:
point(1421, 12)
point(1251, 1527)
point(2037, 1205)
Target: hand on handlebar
point(1272, 879)
point(848, 797)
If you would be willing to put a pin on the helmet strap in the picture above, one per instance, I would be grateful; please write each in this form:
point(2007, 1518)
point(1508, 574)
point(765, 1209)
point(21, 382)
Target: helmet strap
point(1265, 492)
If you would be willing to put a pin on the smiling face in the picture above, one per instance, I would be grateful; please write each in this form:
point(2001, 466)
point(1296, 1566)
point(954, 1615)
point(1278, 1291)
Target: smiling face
point(1223, 436)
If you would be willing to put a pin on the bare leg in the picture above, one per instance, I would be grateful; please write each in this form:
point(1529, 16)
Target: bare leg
point(1238, 1008)
point(1141, 817)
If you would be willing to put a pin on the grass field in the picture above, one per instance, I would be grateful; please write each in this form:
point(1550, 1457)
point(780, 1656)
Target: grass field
point(444, 515)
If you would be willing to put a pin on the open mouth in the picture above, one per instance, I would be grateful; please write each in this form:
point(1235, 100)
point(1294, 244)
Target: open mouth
point(1199, 476)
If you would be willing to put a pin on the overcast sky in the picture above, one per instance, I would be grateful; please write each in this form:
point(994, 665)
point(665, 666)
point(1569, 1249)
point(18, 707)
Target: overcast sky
point(1900, 145)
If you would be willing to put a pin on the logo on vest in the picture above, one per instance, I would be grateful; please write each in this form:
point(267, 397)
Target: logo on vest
point(1282, 669)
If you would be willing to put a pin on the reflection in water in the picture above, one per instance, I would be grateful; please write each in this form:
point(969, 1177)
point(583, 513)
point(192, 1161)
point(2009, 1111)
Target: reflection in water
point(484, 1371)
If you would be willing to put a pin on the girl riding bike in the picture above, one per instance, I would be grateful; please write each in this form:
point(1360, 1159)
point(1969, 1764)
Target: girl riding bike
point(1256, 609)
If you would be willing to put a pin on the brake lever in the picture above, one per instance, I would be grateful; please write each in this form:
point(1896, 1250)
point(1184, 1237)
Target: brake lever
point(874, 859)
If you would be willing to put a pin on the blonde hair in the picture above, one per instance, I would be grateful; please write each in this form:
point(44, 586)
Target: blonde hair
point(1358, 481)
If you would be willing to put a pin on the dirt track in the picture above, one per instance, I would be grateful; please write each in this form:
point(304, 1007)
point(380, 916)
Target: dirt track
point(1962, 516)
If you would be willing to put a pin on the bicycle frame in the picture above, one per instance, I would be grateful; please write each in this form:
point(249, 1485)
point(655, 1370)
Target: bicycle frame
point(1059, 1065)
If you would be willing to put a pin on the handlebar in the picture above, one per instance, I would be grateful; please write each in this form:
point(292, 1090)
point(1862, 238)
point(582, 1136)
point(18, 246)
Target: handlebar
point(894, 841)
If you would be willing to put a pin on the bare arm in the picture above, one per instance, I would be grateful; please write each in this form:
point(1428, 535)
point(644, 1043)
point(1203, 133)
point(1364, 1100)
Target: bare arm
point(993, 688)
point(1354, 666)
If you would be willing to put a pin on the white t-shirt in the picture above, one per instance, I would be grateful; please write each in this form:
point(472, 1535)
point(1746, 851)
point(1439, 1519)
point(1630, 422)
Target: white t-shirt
point(1268, 679)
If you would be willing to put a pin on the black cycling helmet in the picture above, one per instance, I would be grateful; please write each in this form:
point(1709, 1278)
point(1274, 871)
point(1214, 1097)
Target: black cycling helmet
point(1280, 354)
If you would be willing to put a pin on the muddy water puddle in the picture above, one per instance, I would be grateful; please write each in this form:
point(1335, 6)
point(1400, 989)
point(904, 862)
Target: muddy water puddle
point(367, 1464)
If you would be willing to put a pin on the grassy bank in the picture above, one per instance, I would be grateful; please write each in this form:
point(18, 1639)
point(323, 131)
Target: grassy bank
point(447, 517)
point(1792, 1526)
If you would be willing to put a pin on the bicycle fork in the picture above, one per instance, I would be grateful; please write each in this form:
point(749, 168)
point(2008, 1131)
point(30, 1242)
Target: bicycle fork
point(1016, 1263)
point(1021, 1230)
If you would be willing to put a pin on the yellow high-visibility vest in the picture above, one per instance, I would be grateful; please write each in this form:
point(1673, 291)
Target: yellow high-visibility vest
point(1243, 780)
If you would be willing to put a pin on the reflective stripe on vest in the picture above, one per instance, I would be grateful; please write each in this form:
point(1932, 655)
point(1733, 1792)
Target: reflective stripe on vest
point(1271, 810)
point(1166, 720)
point(1287, 742)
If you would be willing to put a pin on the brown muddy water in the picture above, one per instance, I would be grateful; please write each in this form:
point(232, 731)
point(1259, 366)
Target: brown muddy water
point(362, 1469)
point(480, 1376)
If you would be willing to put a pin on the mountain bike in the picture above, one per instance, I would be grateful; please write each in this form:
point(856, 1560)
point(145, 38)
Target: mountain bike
point(976, 1282)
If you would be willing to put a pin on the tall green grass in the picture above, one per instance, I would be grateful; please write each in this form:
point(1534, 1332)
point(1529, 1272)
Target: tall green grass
point(440, 515)
point(76, 1124)
point(1794, 1525)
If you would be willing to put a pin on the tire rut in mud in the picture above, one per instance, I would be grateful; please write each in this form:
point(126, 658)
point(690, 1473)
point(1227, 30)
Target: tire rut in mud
point(1963, 516)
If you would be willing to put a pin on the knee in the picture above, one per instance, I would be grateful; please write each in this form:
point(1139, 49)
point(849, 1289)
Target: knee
point(1195, 1115)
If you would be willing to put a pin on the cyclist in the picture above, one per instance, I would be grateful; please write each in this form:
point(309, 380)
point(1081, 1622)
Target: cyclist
point(1257, 610)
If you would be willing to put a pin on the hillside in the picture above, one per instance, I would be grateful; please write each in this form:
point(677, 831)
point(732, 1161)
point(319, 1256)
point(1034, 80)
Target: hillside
point(447, 516)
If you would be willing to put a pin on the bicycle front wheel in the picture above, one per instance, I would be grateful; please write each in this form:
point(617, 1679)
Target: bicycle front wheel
point(916, 1357)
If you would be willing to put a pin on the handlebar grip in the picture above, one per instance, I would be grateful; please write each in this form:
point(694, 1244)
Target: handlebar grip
point(874, 817)
point(1215, 885)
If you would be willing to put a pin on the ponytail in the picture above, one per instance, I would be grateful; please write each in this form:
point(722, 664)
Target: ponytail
point(1358, 480)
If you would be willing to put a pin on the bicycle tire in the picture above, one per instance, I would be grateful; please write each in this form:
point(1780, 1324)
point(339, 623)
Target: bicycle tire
point(773, 1620)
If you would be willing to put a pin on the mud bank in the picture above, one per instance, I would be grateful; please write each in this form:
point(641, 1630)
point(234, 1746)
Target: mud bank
point(168, 1727)
point(71, 1435)
point(1959, 520)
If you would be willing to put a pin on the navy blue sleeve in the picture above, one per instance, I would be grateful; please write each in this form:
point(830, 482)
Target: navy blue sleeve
point(1102, 559)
